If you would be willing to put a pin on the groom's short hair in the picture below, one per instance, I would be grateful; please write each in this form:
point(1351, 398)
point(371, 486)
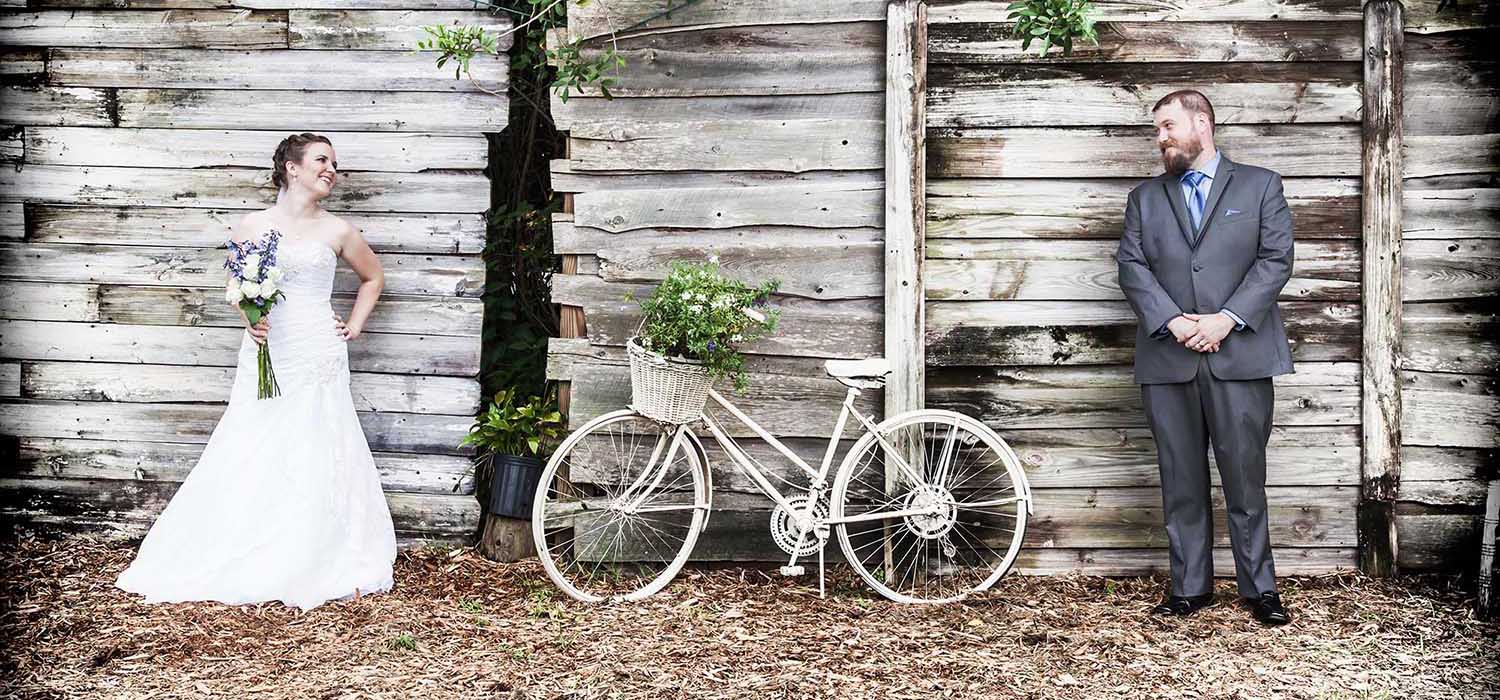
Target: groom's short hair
point(1191, 100)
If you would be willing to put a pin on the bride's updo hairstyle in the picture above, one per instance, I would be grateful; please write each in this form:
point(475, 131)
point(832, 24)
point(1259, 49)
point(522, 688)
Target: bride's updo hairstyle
point(290, 151)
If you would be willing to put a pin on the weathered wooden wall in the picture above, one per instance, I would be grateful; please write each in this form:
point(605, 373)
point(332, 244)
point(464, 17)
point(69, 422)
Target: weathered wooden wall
point(750, 130)
point(1029, 162)
point(1450, 383)
point(131, 138)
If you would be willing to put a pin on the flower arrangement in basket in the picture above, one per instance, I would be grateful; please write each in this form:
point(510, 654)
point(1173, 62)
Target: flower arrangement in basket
point(690, 335)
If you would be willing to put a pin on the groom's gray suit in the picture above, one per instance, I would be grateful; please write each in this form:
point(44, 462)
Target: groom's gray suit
point(1238, 261)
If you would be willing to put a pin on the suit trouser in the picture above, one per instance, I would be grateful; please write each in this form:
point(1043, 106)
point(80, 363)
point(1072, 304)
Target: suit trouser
point(1236, 415)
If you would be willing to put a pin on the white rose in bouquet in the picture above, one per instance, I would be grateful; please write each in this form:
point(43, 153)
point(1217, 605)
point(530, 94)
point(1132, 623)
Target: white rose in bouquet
point(268, 287)
point(251, 271)
point(250, 289)
point(274, 274)
point(232, 293)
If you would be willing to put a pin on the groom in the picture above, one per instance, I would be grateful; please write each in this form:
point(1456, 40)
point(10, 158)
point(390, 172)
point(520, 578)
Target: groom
point(1206, 250)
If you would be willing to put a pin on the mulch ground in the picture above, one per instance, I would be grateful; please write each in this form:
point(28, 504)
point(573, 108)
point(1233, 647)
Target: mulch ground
point(459, 626)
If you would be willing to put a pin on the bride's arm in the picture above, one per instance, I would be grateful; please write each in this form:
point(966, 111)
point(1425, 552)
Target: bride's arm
point(355, 251)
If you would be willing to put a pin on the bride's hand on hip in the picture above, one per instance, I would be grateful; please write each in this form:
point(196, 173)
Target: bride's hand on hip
point(259, 330)
point(345, 331)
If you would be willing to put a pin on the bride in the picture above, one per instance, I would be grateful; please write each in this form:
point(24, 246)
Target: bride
point(284, 503)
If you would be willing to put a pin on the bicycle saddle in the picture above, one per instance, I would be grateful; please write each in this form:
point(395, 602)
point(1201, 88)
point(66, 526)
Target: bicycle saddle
point(868, 373)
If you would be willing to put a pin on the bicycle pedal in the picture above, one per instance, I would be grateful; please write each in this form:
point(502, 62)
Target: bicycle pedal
point(793, 570)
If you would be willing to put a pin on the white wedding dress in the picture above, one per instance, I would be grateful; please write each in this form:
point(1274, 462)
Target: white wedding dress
point(285, 502)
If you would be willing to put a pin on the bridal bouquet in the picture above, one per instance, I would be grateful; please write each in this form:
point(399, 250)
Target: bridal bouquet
point(253, 285)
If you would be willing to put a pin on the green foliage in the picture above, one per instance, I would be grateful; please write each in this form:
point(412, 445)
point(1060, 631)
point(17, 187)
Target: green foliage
point(575, 72)
point(699, 314)
point(401, 642)
point(1054, 22)
point(512, 426)
point(459, 45)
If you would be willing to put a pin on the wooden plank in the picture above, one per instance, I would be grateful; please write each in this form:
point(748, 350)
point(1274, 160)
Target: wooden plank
point(102, 381)
point(219, 29)
point(432, 275)
point(1449, 154)
point(266, 70)
point(1080, 208)
point(1433, 16)
point(375, 30)
point(637, 17)
point(1455, 213)
point(1009, 407)
point(1290, 561)
point(1447, 101)
point(10, 379)
point(1381, 414)
point(1106, 457)
point(1448, 464)
point(1100, 332)
point(463, 191)
point(172, 306)
point(799, 258)
point(810, 328)
point(1204, 41)
point(395, 353)
point(1455, 269)
point(45, 301)
point(1449, 410)
point(1126, 151)
point(788, 145)
point(171, 462)
point(1451, 337)
point(209, 228)
point(567, 179)
point(858, 106)
point(256, 4)
point(905, 210)
point(12, 221)
point(212, 148)
point(1011, 95)
point(293, 110)
point(841, 205)
point(55, 106)
point(973, 269)
point(777, 59)
point(22, 66)
point(194, 423)
point(139, 503)
point(1436, 540)
point(968, 11)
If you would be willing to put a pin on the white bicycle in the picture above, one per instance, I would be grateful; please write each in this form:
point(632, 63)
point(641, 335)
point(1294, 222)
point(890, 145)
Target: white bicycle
point(928, 505)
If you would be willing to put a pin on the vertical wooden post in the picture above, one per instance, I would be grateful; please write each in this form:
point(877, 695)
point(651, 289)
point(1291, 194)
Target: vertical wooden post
point(905, 222)
point(905, 206)
point(1381, 207)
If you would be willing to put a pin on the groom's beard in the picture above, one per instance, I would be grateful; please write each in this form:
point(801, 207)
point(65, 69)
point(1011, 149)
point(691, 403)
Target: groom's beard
point(1181, 159)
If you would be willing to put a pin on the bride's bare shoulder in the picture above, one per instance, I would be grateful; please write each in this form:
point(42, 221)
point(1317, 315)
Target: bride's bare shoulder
point(249, 226)
point(343, 232)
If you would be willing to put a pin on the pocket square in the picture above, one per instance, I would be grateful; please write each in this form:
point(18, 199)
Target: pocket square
point(1230, 212)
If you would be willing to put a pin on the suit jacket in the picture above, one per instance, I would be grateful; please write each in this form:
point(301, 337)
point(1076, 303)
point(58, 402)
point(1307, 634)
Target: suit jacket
point(1239, 261)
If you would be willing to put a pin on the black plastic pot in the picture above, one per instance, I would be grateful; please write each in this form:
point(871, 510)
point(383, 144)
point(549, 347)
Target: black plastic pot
point(513, 485)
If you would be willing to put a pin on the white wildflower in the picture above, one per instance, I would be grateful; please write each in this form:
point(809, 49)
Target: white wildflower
point(250, 289)
point(687, 296)
point(695, 309)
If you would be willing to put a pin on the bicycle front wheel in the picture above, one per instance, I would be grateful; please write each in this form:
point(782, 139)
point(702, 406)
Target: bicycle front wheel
point(930, 507)
point(619, 507)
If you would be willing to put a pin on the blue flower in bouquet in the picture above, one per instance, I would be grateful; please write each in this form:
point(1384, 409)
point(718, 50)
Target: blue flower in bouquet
point(254, 284)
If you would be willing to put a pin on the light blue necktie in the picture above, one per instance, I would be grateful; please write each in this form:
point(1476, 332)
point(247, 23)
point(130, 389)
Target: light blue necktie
point(1195, 202)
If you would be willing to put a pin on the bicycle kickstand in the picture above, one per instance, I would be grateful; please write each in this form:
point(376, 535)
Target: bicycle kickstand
point(821, 592)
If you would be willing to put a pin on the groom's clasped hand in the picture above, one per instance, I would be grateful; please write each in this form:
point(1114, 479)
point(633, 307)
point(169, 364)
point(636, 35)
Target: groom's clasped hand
point(1201, 332)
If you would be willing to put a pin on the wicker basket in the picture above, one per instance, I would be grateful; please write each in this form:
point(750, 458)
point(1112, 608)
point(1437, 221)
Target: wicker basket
point(668, 390)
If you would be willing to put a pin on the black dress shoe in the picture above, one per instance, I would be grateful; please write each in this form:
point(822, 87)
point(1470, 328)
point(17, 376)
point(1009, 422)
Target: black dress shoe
point(1268, 609)
point(1182, 605)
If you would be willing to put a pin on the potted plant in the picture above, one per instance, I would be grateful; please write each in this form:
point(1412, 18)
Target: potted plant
point(693, 326)
point(514, 437)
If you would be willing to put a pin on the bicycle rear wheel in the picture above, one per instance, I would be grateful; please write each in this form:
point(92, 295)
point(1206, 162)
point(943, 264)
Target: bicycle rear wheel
point(944, 521)
point(619, 507)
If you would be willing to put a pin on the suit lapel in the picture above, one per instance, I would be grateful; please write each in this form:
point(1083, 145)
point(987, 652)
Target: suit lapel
point(1215, 191)
point(1173, 189)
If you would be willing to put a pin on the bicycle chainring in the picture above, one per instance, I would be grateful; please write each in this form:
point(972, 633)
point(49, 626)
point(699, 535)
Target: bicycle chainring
point(784, 526)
